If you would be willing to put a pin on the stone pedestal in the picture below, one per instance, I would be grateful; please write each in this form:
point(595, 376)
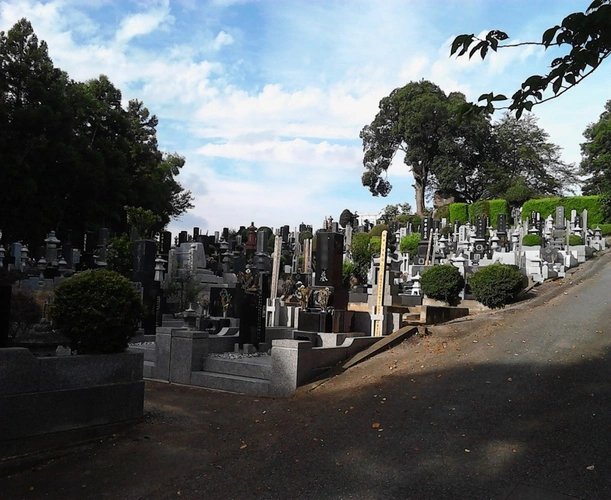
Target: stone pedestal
point(187, 351)
point(315, 321)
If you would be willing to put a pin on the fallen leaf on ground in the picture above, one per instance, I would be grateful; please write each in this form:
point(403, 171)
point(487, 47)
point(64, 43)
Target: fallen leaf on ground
point(375, 425)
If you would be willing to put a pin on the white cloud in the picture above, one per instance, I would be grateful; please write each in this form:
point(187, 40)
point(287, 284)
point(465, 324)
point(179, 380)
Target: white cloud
point(144, 23)
point(221, 40)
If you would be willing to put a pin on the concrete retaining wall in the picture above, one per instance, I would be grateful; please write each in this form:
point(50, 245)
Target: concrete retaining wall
point(55, 394)
point(296, 362)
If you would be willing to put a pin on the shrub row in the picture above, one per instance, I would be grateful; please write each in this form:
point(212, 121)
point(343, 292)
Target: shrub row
point(547, 206)
point(494, 286)
point(463, 212)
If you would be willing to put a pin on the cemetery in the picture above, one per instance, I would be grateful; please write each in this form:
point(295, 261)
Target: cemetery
point(259, 313)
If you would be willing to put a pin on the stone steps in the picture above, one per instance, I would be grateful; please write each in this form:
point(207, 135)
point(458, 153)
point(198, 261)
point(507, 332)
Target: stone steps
point(242, 375)
point(231, 383)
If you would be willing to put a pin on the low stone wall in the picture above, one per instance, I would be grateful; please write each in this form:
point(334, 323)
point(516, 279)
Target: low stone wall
point(296, 362)
point(39, 396)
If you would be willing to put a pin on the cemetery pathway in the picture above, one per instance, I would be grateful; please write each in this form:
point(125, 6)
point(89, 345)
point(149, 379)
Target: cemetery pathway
point(512, 404)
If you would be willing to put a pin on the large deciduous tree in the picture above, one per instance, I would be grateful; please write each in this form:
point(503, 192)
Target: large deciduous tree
point(420, 120)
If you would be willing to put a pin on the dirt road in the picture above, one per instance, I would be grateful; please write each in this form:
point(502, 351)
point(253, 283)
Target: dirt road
point(502, 405)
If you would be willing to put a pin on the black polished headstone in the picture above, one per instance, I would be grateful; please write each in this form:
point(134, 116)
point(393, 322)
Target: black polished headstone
point(183, 237)
point(285, 234)
point(480, 228)
point(195, 233)
point(501, 223)
point(166, 242)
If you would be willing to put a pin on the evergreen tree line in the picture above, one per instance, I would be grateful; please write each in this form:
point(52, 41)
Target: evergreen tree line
point(72, 157)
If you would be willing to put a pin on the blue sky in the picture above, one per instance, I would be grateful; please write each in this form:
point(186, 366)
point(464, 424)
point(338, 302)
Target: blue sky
point(266, 99)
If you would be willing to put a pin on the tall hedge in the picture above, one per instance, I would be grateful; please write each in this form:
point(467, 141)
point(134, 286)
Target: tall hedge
point(498, 207)
point(459, 212)
point(479, 209)
point(547, 206)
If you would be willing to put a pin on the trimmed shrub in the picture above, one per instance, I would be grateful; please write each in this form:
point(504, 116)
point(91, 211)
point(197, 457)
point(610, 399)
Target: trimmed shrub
point(575, 240)
point(25, 312)
point(605, 228)
point(479, 209)
point(497, 207)
point(375, 244)
point(518, 195)
point(98, 310)
point(409, 243)
point(443, 212)
point(377, 230)
point(532, 240)
point(442, 283)
point(496, 285)
point(459, 212)
point(547, 206)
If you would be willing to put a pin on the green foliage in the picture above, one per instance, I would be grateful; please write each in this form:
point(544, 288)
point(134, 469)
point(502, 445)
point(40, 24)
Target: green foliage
point(479, 209)
point(605, 228)
point(375, 243)
point(72, 152)
point(24, 313)
point(143, 221)
point(120, 255)
point(442, 283)
point(582, 35)
point(518, 194)
point(420, 120)
point(378, 229)
point(443, 212)
point(497, 207)
point(409, 243)
point(547, 206)
point(98, 310)
point(532, 240)
point(305, 235)
point(348, 270)
point(496, 285)
point(459, 212)
point(361, 252)
point(575, 240)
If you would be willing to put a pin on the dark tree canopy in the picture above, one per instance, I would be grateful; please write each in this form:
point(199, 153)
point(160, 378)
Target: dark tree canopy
point(586, 36)
point(71, 154)
point(596, 154)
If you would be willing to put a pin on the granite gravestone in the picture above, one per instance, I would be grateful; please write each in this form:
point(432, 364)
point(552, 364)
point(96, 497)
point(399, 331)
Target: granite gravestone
point(329, 265)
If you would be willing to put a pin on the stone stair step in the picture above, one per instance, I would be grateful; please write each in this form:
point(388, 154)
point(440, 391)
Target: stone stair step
point(230, 383)
point(256, 368)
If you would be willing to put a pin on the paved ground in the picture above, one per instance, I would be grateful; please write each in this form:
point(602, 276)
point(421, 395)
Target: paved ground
point(515, 404)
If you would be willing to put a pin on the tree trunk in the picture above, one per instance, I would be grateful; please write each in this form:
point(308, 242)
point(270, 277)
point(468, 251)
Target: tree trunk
point(419, 188)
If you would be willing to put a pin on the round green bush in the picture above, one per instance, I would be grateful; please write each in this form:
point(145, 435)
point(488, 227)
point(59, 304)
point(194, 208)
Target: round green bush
point(98, 310)
point(377, 230)
point(496, 285)
point(442, 283)
point(532, 240)
point(575, 239)
point(409, 243)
